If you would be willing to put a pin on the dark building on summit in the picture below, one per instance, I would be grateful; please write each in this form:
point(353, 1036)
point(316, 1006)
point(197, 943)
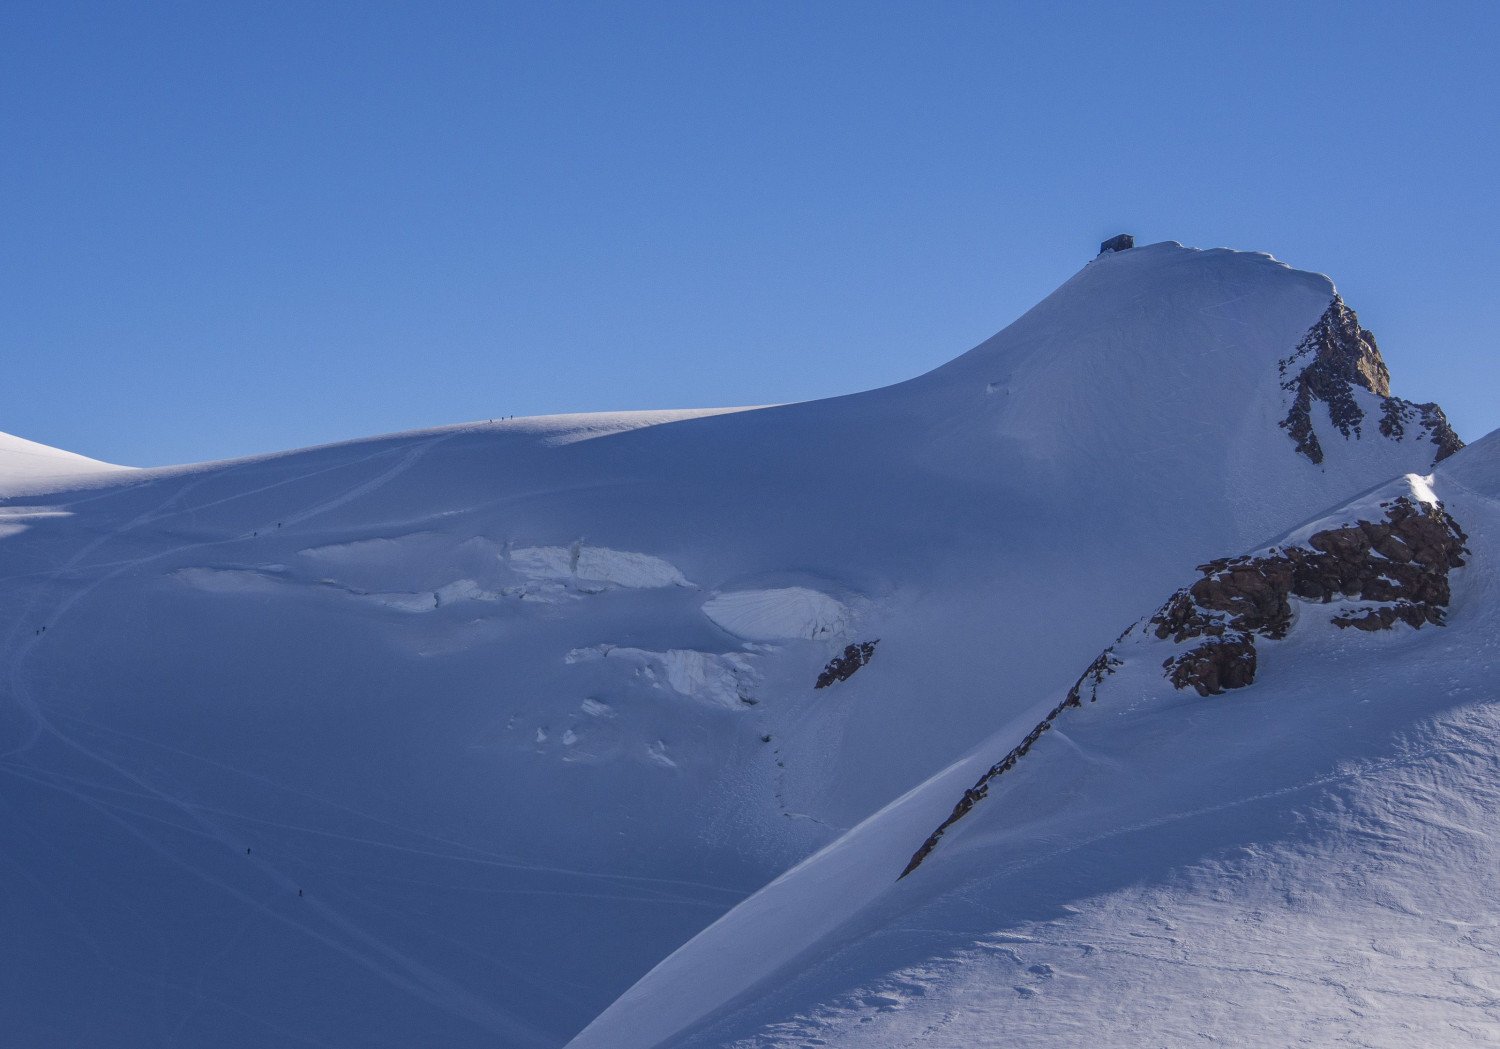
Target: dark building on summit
point(1124, 242)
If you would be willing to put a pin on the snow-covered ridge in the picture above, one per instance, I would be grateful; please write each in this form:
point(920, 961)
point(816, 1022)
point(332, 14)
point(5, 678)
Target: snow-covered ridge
point(1174, 793)
point(553, 685)
point(1376, 573)
point(26, 466)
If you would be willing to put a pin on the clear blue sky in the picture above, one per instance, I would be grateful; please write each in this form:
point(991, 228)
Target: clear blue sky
point(235, 228)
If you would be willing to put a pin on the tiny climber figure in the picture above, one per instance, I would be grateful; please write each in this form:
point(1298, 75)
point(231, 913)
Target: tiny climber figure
point(299, 892)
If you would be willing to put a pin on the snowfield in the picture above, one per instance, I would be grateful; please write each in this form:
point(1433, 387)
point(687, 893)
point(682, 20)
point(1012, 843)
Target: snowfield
point(1307, 862)
point(506, 734)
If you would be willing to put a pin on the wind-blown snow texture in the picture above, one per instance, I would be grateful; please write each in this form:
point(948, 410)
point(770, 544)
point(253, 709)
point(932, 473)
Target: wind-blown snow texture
point(449, 737)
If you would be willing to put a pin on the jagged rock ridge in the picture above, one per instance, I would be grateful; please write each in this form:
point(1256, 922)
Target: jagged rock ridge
point(1344, 356)
point(1398, 564)
point(1102, 666)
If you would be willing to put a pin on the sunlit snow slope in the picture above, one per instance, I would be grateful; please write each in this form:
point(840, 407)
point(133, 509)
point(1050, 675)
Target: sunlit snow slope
point(1312, 859)
point(446, 738)
point(26, 465)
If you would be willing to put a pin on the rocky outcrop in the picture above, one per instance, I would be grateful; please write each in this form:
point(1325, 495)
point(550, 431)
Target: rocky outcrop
point(1427, 418)
point(1383, 617)
point(843, 667)
point(1334, 358)
point(1215, 666)
point(1401, 562)
point(1398, 564)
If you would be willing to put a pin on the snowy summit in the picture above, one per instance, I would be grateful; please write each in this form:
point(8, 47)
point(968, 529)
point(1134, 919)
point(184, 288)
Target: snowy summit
point(1122, 681)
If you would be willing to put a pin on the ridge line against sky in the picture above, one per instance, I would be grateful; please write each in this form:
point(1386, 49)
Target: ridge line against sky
point(234, 231)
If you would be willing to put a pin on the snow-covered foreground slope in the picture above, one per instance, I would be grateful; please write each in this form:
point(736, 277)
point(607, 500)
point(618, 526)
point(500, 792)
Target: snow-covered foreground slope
point(448, 737)
point(1309, 859)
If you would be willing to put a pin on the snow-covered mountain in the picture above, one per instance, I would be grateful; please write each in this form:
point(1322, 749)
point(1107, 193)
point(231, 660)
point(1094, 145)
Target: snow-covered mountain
point(450, 737)
point(1310, 862)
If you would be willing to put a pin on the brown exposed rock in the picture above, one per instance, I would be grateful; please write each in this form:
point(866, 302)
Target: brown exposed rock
point(1384, 617)
point(843, 667)
point(1398, 414)
point(1335, 357)
point(1103, 665)
point(1402, 560)
point(1339, 355)
point(1400, 564)
point(1215, 666)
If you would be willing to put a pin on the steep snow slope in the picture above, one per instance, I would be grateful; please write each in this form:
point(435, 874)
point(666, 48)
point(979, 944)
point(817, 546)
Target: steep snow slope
point(447, 737)
point(1311, 859)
